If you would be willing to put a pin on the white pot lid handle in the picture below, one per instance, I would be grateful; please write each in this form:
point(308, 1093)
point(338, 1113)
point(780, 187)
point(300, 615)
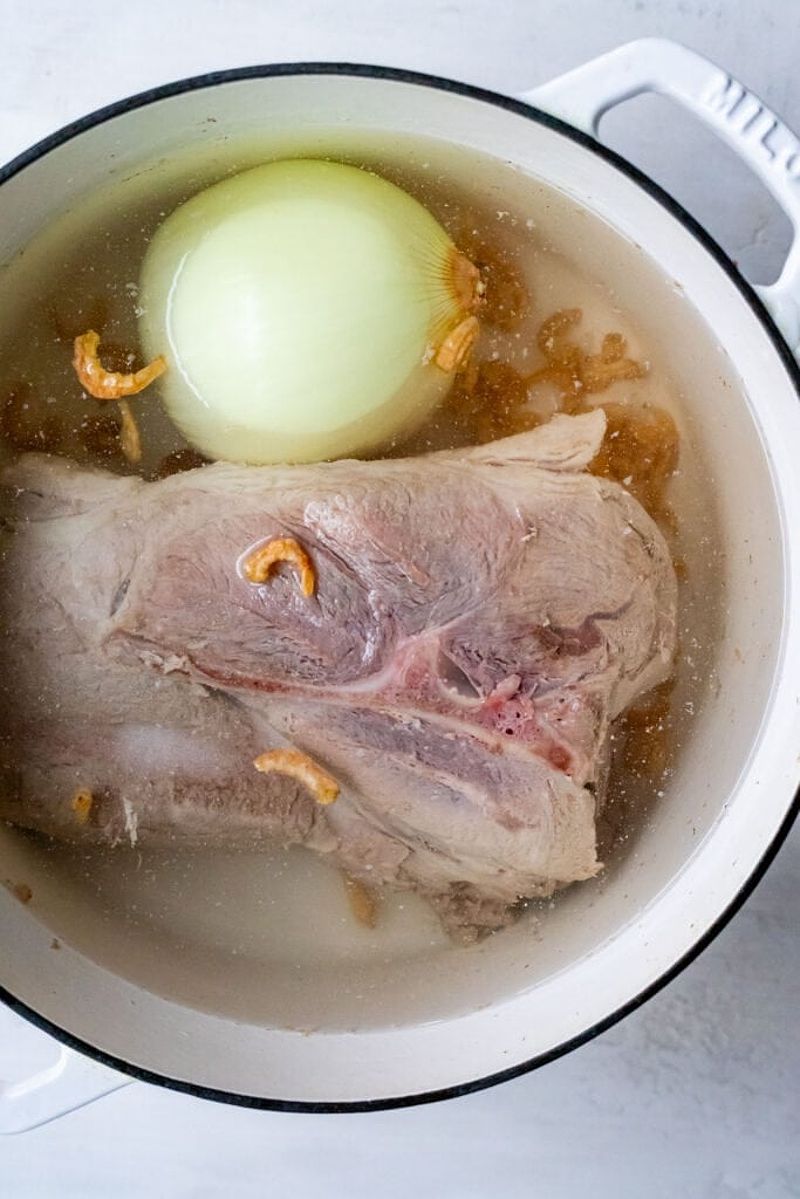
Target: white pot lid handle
point(758, 136)
point(71, 1082)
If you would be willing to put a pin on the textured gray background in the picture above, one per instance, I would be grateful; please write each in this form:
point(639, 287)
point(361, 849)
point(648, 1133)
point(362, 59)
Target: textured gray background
point(696, 1095)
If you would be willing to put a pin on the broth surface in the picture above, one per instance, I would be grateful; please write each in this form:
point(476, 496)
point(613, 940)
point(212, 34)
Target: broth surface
point(228, 917)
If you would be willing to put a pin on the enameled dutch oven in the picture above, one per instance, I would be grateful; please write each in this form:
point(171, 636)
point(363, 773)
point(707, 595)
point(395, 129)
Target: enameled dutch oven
point(459, 1019)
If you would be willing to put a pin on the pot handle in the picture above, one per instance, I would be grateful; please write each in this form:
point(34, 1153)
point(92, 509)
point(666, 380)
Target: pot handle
point(71, 1082)
point(760, 138)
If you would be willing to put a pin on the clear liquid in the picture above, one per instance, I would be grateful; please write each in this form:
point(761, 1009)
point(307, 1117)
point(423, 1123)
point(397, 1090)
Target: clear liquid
point(202, 926)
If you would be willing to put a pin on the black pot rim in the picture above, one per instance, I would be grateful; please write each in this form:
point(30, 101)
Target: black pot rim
point(436, 83)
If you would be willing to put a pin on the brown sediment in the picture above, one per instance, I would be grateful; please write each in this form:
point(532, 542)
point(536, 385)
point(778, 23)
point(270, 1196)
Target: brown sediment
point(68, 327)
point(505, 300)
point(25, 424)
point(647, 732)
point(570, 370)
point(492, 399)
point(363, 901)
point(178, 461)
point(640, 450)
point(20, 891)
point(488, 402)
point(99, 436)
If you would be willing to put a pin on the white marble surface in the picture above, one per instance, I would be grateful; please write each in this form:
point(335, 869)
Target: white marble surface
point(696, 1095)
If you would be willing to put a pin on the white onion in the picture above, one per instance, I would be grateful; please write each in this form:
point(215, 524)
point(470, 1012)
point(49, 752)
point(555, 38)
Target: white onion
point(301, 306)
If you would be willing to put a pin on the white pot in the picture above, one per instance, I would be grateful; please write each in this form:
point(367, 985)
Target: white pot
point(461, 1019)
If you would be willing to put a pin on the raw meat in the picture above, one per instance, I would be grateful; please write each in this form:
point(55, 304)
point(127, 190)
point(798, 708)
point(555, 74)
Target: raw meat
point(481, 616)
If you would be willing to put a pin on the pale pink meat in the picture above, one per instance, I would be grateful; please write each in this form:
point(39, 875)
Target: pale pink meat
point(480, 618)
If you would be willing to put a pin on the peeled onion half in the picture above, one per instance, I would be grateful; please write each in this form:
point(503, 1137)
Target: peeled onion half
point(307, 310)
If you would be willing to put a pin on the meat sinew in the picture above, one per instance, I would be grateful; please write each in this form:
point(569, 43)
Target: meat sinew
point(480, 618)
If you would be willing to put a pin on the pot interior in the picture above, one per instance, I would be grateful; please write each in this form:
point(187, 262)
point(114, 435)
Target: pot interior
point(239, 952)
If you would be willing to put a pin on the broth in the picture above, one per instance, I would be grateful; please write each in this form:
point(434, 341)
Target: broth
point(222, 915)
